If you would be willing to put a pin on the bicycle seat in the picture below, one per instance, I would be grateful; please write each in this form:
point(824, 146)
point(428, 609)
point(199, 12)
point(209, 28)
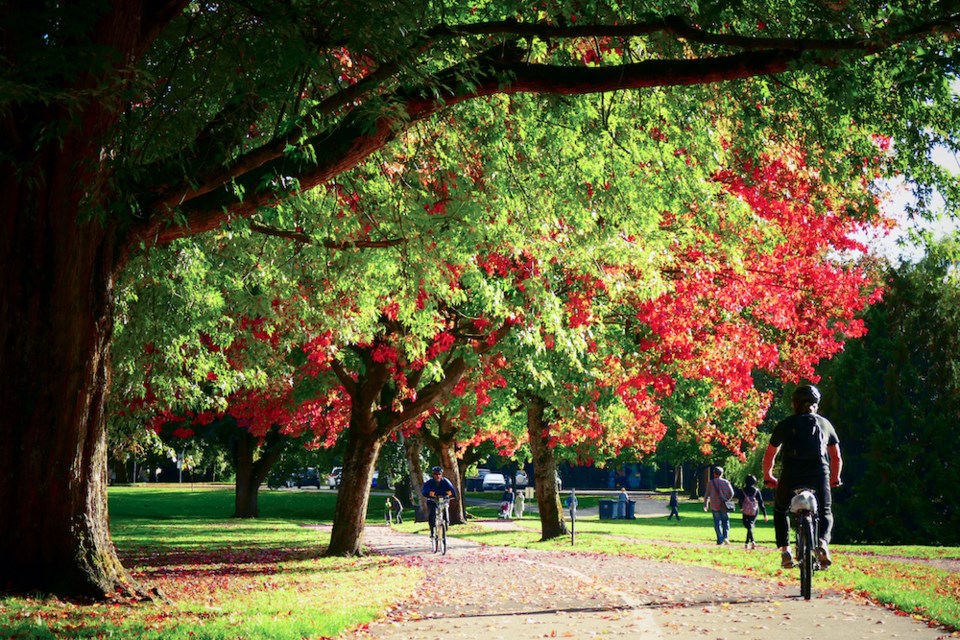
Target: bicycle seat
point(804, 500)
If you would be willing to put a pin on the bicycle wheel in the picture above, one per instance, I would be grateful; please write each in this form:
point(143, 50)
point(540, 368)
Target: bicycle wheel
point(443, 537)
point(435, 534)
point(805, 555)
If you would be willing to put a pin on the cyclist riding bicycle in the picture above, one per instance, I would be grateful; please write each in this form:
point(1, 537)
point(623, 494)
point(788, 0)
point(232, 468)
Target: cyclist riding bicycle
point(434, 487)
point(810, 459)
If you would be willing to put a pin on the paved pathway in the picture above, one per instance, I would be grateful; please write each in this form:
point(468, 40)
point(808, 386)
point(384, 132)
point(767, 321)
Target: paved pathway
point(491, 593)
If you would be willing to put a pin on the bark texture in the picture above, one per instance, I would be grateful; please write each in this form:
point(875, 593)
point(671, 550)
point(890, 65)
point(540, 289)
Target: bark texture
point(412, 445)
point(56, 320)
point(552, 524)
point(444, 445)
point(359, 460)
point(252, 471)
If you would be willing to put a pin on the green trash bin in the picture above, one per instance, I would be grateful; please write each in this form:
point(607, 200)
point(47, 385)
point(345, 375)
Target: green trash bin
point(607, 509)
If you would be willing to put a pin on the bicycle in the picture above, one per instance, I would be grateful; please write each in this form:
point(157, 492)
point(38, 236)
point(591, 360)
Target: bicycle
point(441, 522)
point(806, 525)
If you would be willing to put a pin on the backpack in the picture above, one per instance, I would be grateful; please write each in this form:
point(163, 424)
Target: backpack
point(749, 506)
point(806, 439)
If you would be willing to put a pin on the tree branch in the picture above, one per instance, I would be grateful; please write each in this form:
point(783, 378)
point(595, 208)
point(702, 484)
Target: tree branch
point(368, 128)
point(676, 26)
point(306, 238)
point(427, 396)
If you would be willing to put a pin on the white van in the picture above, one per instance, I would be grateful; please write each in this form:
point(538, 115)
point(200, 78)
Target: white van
point(494, 482)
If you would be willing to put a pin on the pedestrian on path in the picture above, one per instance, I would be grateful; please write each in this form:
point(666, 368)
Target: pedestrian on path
point(674, 506)
point(751, 504)
point(719, 500)
point(506, 505)
point(622, 500)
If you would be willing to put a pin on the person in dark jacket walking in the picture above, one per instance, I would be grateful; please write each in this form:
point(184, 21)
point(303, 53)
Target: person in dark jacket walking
point(751, 504)
point(674, 506)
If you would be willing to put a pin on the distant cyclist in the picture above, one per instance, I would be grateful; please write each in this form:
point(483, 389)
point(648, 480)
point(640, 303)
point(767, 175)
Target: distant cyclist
point(810, 457)
point(435, 487)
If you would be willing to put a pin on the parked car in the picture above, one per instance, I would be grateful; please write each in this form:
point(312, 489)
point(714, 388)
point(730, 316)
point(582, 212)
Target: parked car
point(281, 479)
point(494, 482)
point(334, 477)
point(309, 477)
point(522, 480)
point(475, 483)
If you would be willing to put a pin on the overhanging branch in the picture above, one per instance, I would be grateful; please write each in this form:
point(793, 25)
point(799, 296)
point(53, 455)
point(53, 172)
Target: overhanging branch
point(306, 238)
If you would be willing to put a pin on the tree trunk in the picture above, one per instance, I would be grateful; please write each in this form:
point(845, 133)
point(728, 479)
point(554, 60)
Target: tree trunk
point(448, 460)
point(552, 524)
point(359, 459)
point(56, 322)
point(444, 444)
point(252, 473)
point(412, 446)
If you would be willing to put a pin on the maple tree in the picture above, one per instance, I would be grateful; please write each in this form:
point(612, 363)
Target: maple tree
point(133, 124)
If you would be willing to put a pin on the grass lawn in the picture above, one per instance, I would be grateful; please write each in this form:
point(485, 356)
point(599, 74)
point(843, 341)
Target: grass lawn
point(266, 578)
point(225, 578)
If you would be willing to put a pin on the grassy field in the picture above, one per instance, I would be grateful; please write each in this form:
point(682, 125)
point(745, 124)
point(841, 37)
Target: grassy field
point(266, 578)
point(224, 578)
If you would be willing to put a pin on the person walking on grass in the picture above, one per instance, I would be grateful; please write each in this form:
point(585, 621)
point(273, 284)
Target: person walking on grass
point(751, 504)
point(719, 500)
point(674, 506)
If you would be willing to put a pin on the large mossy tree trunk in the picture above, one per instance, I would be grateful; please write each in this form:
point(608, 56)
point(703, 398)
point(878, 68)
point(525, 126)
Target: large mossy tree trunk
point(56, 321)
point(60, 252)
point(545, 471)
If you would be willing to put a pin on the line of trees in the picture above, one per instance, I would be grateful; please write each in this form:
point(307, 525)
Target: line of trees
point(133, 125)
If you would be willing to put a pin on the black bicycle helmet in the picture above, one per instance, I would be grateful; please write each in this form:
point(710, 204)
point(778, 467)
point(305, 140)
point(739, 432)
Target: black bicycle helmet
point(437, 470)
point(807, 393)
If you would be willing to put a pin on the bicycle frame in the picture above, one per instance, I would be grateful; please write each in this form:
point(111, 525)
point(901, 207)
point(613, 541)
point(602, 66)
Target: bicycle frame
point(441, 521)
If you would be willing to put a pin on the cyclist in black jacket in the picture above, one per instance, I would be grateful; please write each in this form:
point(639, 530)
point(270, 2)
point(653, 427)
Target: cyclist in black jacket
point(435, 487)
point(810, 457)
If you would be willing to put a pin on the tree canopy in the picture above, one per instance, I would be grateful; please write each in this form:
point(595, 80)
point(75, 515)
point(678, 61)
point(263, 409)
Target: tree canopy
point(127, 125)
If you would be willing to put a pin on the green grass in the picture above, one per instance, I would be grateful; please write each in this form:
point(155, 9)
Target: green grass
point(266, 578)
point(225, 578)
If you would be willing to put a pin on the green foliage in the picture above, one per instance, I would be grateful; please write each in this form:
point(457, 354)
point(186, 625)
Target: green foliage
point(894, 398)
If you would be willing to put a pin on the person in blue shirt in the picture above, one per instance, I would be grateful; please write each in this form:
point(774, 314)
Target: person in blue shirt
point(433, 488)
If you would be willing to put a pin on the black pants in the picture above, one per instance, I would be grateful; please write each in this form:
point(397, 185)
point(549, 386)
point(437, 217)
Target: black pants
point(813, 477)
point(748, 523)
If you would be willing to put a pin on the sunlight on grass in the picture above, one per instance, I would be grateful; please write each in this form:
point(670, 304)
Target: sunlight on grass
point(267, 578)
point(224, 578)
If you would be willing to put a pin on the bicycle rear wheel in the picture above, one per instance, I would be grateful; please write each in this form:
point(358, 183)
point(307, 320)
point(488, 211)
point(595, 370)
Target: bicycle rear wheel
point(805, 555)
